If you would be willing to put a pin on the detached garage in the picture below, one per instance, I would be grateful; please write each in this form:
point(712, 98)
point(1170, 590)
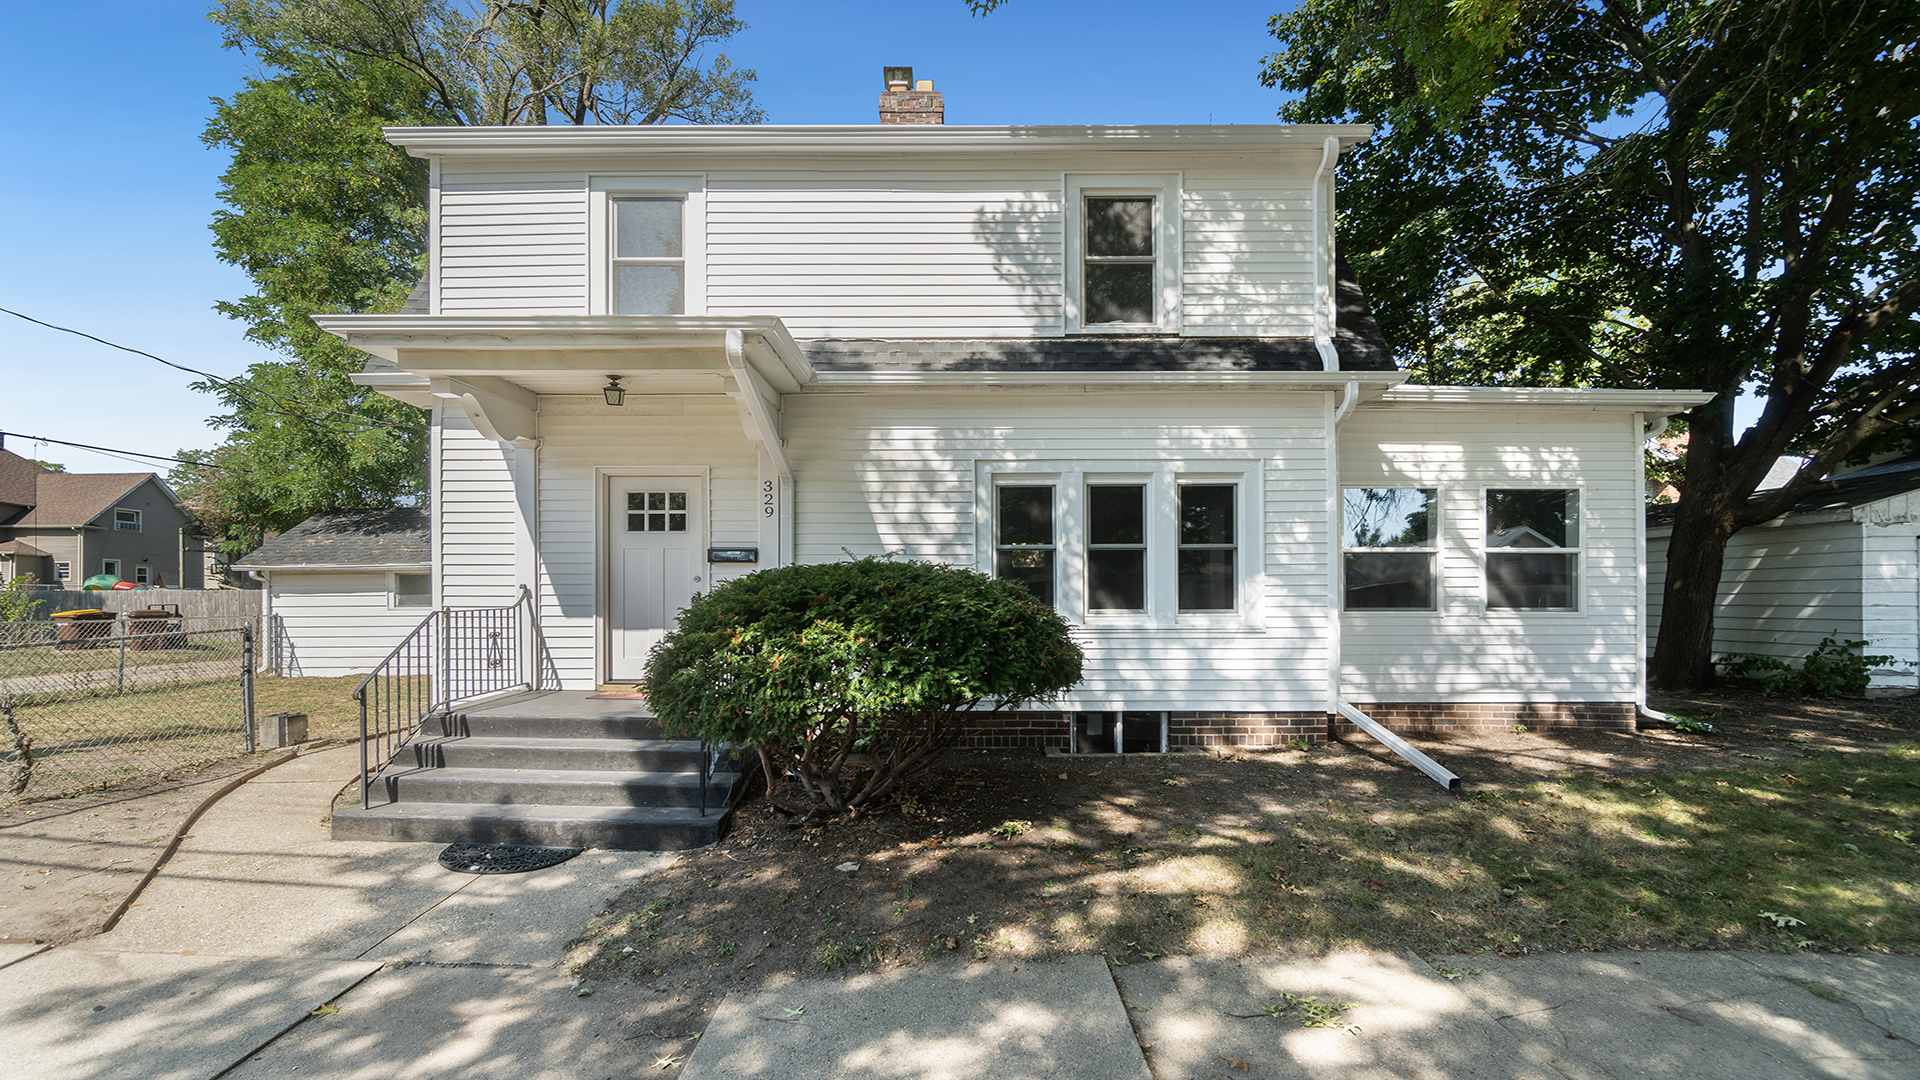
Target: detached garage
point(343, 589)
point(1844, 563)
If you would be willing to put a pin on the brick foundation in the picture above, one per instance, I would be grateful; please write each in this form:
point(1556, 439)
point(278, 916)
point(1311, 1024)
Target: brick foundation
point(1431, 716)
point(1261, 729)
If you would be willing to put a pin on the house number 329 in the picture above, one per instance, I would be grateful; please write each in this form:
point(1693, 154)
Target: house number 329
point(766, 498)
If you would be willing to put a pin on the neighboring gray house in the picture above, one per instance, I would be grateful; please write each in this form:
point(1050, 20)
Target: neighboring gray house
point(343, 589)
point(1843, 562)
point(67, 527)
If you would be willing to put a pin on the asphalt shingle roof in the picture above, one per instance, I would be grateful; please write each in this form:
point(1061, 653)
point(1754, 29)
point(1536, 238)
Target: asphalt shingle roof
point(63, 500)
point(1845, 491)
point(394, 537)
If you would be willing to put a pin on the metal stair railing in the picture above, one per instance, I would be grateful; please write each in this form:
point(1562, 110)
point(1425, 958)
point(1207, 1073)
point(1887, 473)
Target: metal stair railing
point(454, 654)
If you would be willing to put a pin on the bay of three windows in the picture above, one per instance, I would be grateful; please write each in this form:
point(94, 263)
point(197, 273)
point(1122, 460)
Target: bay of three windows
point(1391, 548)
point(1117, 544)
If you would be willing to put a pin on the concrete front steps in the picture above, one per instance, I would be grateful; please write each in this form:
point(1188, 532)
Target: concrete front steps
point(554, 768)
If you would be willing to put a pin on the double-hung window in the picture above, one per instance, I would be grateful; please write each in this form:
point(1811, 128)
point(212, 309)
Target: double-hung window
point(649, 256)
point(1533, 549)
point(1117, 547)
point(1123, 254)
point(1390, 542)
point(1134, 544)
point(143, 575)
point(1024, 548)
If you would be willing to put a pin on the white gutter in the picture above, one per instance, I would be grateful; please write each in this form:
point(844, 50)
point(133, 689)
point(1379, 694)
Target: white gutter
point(868, 138)
point(1324, 315)
point(1106, 380)
point(256, 571)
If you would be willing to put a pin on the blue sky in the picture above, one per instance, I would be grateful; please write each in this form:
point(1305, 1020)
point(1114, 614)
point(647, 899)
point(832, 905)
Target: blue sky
point(108, 191)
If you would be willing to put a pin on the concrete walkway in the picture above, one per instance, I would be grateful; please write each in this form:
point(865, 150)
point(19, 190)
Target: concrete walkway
point(260, 919)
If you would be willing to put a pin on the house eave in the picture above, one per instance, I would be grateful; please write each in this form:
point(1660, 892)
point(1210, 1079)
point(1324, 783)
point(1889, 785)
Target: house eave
point(871, 138)
point(1664, 402)
point(1372, 383)
point(304, 567)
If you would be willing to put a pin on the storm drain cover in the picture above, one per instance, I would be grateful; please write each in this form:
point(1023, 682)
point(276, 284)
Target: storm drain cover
point(503, 858)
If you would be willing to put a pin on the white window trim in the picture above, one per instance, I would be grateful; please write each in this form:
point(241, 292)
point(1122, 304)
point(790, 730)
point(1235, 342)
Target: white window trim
point(115, 563)
point(1435, 548)
point(138, 524)
point(142, 574)
point(62, 571)
point(1070, 480)
point(1168, 251)
point(602, 190)
point(393, 591)
point(1581, 574)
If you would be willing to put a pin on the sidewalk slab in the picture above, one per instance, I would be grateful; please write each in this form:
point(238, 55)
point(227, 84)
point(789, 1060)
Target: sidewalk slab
point(1699, 1016)
point(12, 952)
point(943, 1021)
point(472, 1023)
point(72, 1014)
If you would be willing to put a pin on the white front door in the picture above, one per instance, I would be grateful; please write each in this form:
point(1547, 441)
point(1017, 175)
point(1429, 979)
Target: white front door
point(655, 560)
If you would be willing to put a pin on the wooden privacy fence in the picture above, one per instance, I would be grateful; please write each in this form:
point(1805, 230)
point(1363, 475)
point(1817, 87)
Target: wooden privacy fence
point(195, 604)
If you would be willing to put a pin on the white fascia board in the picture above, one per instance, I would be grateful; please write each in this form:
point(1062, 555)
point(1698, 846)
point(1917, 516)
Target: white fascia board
point(276, 568)
point(1654, 401)
point(1373, 383)
point(870, 138)
point(771, 348)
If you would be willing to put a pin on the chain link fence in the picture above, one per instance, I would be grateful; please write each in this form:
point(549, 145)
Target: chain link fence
point(89, 703)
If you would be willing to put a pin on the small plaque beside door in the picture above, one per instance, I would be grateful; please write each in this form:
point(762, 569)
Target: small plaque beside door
point(733, 555)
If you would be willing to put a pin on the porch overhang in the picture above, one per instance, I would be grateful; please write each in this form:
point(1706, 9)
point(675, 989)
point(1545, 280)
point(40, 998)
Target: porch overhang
point(494, 367)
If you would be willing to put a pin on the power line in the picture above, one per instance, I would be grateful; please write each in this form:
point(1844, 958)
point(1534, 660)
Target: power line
point(235, 384)
point(107, 450)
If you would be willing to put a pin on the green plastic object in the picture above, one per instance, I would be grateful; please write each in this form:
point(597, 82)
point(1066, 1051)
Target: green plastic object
point(101, 583)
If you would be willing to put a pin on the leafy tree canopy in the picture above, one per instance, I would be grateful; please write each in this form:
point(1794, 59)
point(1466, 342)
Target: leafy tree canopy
point(325, 215)
point(1682, 194)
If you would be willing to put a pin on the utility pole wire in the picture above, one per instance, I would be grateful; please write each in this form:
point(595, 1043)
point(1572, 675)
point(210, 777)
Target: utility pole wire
point(234, 383)
point(107, 449)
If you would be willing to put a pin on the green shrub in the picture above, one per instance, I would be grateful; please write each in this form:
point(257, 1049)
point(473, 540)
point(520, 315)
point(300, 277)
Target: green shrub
point(1833, 667)
point(17, 602)
point(853, 676)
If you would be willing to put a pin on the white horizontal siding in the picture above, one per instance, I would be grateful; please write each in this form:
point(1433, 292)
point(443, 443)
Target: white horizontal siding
point(1462, 652)
point(476, 517)
point(1787, 584)
point(513, 243)
point(336, 622)
point(580, 435)
point(897, 473)
point(889, 247)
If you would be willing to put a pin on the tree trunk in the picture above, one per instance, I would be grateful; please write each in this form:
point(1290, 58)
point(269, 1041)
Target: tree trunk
point(1696, 557)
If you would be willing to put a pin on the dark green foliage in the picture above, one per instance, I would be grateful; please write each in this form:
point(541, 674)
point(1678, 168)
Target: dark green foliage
point(1833, 667)
point(1673, 194)
point(891, 661)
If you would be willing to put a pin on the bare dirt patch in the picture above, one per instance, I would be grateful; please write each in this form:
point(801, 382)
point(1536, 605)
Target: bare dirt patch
point(1562, 841)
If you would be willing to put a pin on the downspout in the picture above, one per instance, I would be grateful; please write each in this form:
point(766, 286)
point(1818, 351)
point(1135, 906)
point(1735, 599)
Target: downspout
point(1349, 397)
point(1651, 428)
point(1324, 315)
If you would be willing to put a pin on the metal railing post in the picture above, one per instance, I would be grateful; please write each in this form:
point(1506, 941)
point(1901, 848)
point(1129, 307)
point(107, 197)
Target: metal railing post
point(246, 681)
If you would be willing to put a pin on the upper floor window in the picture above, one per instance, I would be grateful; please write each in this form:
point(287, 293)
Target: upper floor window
point(1533, 549)
point(649, 256)
point(1390, 543)
point(1123, 254)
point(126, 520)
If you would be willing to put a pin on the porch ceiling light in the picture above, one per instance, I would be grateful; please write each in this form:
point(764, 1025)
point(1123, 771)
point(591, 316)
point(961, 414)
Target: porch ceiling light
point(614, 394)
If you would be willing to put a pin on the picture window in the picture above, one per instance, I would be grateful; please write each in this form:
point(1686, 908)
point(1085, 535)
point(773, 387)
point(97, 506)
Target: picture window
point(1533, 549)
point(1390, 545)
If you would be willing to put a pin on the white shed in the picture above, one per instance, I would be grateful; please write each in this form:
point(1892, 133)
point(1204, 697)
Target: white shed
point(343, 589)
point(1844, 563)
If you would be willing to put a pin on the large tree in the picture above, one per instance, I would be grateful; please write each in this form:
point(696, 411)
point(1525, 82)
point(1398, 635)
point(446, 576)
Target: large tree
point(325, 215)
point(1682, 194)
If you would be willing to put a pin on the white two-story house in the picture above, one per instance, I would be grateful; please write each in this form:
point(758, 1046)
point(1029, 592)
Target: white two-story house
point(1122, 365)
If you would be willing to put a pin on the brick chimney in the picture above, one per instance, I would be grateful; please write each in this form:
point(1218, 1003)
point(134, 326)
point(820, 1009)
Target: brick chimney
point(907, 102)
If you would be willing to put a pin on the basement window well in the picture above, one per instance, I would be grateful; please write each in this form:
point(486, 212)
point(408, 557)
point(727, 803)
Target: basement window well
point(1119, 733)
